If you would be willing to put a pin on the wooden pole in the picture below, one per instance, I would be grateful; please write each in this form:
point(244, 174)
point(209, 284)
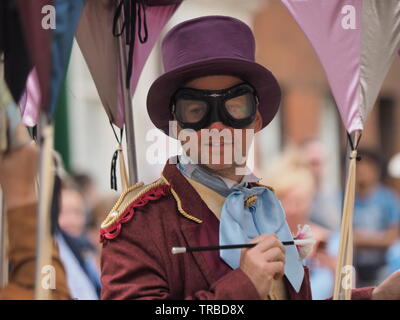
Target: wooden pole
point(128, 113)
point(344, 276)
point(46, 185)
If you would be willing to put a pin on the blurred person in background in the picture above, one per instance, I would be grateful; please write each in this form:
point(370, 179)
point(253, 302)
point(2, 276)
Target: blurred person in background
point(87, 188)
point(376, 220)
point(393, 253)
point(294, 183)
point(89, 191)
point(94, 202)
point(77, 252)
point(394, 173)
point(103, 205)
point(18, 172)
point(393, 258)
point(292, 180)
point(71, 218)
point(325, 209)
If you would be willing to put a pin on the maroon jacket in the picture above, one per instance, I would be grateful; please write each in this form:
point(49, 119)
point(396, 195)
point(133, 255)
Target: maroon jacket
point(137, 262)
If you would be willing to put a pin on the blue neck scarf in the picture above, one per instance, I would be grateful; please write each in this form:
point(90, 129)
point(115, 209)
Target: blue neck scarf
point(240, 223)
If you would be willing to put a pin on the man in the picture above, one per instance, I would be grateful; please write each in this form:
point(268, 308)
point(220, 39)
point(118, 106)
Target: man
point(376, 219)
point(211, 85)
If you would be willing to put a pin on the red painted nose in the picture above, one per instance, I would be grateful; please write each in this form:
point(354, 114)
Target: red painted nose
point(219, 131)
point(218, 125)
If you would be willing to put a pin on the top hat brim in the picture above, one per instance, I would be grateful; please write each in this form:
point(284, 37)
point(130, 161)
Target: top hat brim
point(262, 80)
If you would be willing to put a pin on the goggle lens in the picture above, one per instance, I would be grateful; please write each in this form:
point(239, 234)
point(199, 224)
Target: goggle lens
point(191, 111)
point(240, 107)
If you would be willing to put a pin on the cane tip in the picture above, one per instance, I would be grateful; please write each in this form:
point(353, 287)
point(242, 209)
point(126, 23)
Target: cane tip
point(176, 250)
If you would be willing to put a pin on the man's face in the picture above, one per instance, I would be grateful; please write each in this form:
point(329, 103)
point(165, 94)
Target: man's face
point(297, 202)
point(314, 153)
point(217, 146)
point(72, 212)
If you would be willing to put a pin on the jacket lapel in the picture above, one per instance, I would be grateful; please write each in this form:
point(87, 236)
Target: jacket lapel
point(200, 227)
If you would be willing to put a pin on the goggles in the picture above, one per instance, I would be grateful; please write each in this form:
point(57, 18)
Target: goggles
point(197, 109)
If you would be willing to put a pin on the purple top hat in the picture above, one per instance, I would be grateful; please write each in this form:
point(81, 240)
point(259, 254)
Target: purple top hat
point(210, 45)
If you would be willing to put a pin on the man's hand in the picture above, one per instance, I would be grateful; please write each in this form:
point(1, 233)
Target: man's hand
point(18, 170)
point(264, 262)
point(389, 289)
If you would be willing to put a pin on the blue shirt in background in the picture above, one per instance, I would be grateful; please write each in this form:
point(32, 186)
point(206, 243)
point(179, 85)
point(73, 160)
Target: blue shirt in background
point(375, 213)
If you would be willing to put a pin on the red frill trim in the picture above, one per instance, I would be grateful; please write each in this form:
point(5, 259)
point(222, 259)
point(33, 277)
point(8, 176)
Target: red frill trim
point(113, 231)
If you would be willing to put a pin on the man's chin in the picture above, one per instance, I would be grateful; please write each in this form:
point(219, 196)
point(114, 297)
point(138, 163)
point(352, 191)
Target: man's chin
point(218, 167)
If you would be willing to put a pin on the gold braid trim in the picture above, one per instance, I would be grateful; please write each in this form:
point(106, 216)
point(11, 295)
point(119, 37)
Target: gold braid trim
point(265, 186)
point(126, 199)
point(179, 204)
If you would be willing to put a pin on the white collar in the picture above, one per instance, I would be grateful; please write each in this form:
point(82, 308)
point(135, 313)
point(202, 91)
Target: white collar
point(190, 167)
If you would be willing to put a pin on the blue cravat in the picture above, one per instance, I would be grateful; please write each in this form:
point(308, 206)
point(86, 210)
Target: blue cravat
point(240, 223)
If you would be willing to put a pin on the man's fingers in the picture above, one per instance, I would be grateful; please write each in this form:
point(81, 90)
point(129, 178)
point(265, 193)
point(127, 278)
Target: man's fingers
point(276, 268)
point(274, 254)
point(263, 237)
point(267, 242)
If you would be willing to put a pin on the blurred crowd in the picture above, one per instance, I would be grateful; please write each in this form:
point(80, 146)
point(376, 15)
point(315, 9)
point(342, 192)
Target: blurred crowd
point(297, 174)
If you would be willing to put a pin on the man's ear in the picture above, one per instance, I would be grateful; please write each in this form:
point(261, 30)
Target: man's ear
point(258, 122)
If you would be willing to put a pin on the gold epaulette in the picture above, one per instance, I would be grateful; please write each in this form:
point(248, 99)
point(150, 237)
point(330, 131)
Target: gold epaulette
point(179, 204)
point(265, 186)
point(126, 199)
